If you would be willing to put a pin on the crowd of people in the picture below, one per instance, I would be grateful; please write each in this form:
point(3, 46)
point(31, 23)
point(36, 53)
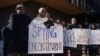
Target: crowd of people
point(15, 34)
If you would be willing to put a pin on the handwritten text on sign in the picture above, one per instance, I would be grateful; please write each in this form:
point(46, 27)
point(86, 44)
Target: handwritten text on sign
point(43, 40)
point(69, 39)
point(76, 36)
point(82, 35)
point(95, 37)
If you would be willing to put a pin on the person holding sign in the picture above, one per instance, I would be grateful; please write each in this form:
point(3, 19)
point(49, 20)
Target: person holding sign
point(73, 24)
point(18, 25)
point(43, 18)
point(93, 49)
point(74, 51)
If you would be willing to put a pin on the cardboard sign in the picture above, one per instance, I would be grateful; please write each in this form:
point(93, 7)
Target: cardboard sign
point(69, 39)
point(82, 36)
point(45, 40)
point(95, 37)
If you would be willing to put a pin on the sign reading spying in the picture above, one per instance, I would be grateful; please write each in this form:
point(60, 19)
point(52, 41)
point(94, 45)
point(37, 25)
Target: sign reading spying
point(45, 40)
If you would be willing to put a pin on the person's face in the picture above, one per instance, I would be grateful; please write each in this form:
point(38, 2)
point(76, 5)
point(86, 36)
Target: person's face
point(93, 25)
point(20, 10)
point(63, 23)
point(73, 21)
point(43, 13)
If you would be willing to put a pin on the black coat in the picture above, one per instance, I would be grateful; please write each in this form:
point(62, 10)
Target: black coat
point(73, 26)
point(18, 24)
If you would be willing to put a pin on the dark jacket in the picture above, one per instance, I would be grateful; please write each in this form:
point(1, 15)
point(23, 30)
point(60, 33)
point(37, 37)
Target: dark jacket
point(18, 24)
point(71, 26)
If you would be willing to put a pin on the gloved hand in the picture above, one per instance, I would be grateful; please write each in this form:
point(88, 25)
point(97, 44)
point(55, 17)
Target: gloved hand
point(48, 23)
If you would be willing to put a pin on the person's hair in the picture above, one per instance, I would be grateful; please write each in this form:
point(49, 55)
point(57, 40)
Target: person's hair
point(40, 9)
point(19, 5)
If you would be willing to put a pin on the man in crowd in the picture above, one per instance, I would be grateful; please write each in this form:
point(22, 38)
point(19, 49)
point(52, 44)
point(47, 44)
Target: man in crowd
point(93, 49)
point(18, 25)
point(75, 51)
point(43, 18)
point(73, 24)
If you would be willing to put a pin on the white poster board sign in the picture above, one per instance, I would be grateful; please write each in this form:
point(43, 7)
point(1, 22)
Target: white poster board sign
point(69, 39)
point(95, 37)
point(43, 40)
point(82, 36)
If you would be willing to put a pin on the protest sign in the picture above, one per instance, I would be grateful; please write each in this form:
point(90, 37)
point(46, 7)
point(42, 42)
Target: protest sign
point(95, 37)
point(82, 36)
point(69, 39)
point(45, 40)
